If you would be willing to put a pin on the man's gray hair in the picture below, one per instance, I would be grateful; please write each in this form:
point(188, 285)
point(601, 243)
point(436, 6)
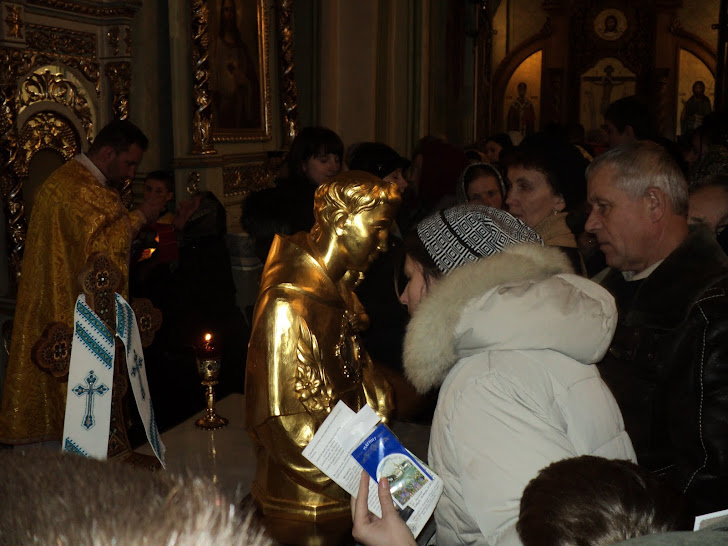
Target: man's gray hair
point(640, 165)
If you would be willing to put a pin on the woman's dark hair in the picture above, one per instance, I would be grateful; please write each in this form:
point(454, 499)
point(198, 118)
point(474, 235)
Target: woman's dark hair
point(413, 245)
point(561, 163)
point(476, 171)
point(311, 142)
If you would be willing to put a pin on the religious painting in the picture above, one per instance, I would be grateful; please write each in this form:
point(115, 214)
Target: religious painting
point(610, 24)
point(695, 92)
point(608, 80)
point(522, 99)
point(238, 70)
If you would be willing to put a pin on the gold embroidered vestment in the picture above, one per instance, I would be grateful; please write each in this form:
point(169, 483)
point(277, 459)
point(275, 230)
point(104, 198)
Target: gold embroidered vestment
point(73, 216)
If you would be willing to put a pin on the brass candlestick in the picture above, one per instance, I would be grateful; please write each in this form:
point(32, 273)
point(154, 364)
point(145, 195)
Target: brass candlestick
point(208, 367)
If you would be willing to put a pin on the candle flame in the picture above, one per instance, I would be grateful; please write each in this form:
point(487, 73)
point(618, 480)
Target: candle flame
point(208, 337)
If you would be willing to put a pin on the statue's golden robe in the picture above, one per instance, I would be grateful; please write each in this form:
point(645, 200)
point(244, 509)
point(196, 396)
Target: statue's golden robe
point(303, 358)
point(73, 216)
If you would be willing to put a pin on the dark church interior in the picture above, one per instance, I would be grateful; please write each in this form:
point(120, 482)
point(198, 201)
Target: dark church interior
point(497, 226)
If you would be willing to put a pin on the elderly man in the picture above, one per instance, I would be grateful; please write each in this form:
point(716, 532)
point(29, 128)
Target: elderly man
point(668, 363)
point(77, 211)
point(304, 353)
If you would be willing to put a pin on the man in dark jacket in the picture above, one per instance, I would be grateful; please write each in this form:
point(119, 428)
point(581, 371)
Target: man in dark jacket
point(668, 363)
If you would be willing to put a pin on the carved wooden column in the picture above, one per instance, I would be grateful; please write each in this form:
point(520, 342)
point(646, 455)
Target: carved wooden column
point(119, 74)
point(13, 64)
point(289, 92)
point(201, 121)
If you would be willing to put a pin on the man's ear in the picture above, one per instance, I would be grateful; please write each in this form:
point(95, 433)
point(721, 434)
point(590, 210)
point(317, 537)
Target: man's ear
point(628, 131)
point(106, 154)
point(655, 203)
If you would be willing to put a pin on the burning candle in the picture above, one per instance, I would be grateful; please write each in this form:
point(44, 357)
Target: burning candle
point(207, 348)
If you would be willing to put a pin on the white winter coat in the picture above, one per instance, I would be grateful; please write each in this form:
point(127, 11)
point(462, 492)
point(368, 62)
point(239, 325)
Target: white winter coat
point(511, 339)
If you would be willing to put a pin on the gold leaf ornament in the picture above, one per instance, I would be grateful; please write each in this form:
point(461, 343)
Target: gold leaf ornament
point(311, 385)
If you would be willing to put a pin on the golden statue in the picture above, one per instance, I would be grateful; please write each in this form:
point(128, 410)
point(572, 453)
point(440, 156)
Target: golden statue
point(304, 354)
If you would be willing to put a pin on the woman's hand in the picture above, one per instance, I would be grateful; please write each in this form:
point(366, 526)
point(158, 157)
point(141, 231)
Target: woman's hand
point(390, 529)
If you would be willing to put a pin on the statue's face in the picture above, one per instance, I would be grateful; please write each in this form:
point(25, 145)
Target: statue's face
point(364, 236)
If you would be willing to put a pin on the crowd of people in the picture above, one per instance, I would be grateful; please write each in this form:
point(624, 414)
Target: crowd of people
point(539, 372)
point(562, 308)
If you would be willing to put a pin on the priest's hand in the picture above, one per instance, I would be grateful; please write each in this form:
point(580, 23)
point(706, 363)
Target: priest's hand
point(370, 530)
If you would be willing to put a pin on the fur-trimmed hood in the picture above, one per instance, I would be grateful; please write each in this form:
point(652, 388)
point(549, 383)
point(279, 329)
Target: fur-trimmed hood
point(524, 298)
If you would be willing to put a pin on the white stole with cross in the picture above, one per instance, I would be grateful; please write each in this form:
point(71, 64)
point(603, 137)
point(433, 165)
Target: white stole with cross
point(91, 380)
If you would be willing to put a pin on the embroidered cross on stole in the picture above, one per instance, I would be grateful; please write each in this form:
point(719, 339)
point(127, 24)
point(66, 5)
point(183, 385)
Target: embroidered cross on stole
point(91, 378)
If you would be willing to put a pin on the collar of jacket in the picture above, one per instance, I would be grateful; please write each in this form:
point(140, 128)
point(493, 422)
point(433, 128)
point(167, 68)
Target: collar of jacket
point(665, 297)
point(429, 345)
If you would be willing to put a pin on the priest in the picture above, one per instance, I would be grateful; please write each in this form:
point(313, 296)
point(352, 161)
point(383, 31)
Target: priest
point(77, 211)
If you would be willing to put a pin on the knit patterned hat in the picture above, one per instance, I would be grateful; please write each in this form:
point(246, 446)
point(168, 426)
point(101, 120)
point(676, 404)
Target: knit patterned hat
point(466, 233)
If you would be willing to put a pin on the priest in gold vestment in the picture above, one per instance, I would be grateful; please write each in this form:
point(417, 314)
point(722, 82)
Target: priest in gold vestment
point(77, 211)
point(304, 353)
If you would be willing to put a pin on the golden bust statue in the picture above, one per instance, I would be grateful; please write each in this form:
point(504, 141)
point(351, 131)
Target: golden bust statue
point(304, 354)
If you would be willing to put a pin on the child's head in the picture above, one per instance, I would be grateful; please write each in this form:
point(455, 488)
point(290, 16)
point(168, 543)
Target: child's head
point(159, 185)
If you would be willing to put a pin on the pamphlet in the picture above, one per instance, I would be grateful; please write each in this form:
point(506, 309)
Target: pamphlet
point(347, 441)
point(712, 520)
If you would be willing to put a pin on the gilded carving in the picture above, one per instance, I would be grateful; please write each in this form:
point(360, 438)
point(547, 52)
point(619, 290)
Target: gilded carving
point(311, 385)
point(119, 74)
point(113, 38)
point(201, 122)
point(45, 130)
point(15, 63)
point(14, 21)
point(246, 179)
point(289, 91)
point(126, 10)
point(193, 183)
point(60, 41)
point(47, 86)
point(9, 181)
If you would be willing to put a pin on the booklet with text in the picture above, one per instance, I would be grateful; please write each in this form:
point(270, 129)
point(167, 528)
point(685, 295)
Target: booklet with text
point(711, 521)
point(348, 441)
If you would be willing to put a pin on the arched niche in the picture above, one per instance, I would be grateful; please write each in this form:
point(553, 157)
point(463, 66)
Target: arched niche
point(692, 107)
point(522, 97)
point(59, 88)
point(507, 68)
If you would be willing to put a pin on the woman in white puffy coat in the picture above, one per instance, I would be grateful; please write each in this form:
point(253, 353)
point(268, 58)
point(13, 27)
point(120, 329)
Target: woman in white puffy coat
point(511, 341)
